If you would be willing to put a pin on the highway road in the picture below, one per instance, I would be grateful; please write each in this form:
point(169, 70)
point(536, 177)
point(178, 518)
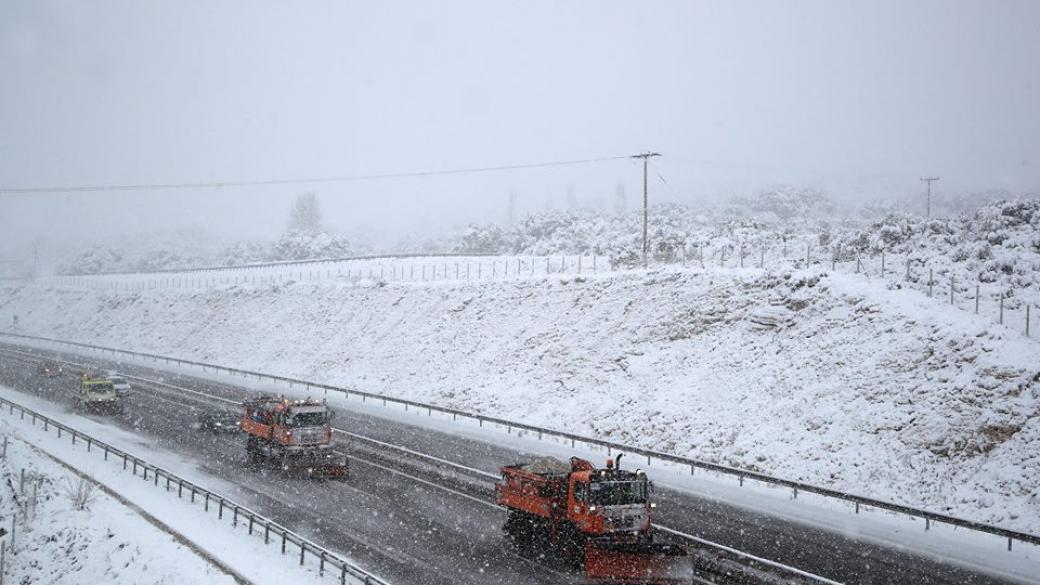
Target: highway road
point(404, 521)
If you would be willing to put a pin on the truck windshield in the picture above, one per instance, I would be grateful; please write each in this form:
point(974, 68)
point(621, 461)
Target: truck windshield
point(309, 419)
point(618, 493)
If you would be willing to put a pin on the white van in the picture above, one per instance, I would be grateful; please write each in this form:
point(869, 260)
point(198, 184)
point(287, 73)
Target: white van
point(120, 384)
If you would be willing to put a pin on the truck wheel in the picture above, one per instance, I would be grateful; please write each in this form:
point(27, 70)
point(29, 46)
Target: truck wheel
point(253, 452)
point(572, 546)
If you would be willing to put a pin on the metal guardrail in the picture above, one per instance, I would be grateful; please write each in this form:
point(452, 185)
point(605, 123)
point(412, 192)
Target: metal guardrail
point(650, 455)
point(348, 572)
point(720, 567)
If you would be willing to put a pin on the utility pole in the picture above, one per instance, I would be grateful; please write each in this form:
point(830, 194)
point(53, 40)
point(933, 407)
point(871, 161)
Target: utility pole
point(928, 204)
point(646, 197)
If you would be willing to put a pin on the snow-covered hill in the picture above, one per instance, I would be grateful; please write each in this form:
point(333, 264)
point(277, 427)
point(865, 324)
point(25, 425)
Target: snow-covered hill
point(827, 378)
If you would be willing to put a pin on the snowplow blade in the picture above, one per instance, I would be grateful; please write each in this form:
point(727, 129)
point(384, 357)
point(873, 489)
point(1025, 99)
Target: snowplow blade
point(317, 471)
point(324, 467)
point(642, 563)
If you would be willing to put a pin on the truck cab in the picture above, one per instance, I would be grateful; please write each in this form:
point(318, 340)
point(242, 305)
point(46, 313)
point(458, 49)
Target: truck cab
point(609, 501)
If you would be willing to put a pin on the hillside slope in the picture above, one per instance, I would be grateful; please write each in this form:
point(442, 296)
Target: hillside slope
point(829, 379)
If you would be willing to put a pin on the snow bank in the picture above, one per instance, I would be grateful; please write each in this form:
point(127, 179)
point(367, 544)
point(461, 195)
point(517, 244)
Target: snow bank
point(829, 379)
point(104, 542)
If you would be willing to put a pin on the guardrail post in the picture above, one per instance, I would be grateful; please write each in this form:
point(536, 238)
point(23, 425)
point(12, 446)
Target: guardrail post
point(857, 507)
point(927, 523)
point(267, 532)
point(251, 519)
point(321, 564)
point(193, 494)
point(135, 467)
point(283, 541)
point(73, 438)
point(1009, 544)
point(145, 473)
point(205, 505)
point(795, 493)
point(220, 510)
point(88, 444)
point(343, 575)
point(124, 461)
point(180, 488)
point(302, 549)
point(106, 452)
point(59, 432)
point(741, 478)
point(234, 516)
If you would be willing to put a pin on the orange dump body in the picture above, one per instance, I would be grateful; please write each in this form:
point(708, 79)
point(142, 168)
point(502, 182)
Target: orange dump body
point(533, 493)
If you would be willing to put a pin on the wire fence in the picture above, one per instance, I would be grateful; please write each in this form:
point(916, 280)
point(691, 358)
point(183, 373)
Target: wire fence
point(211, 502)
point(1005, 304)
point(740, 475)
point(1011, 306)
point(382, 269)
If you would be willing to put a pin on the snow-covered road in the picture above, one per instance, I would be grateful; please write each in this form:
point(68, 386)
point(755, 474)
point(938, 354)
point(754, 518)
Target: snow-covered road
point(843, 556)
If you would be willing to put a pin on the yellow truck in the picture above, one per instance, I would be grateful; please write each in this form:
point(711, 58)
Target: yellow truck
point(98, 394)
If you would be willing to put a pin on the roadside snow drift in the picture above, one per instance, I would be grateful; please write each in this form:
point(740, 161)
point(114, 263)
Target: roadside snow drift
point(829, 379)
point(69, 531)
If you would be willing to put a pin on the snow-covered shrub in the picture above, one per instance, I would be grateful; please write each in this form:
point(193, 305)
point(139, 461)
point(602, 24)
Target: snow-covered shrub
point(310, 246)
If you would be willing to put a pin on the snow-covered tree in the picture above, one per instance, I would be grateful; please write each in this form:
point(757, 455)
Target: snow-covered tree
point(305, 214)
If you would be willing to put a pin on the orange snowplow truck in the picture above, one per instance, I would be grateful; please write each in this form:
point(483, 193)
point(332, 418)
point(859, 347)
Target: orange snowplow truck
point(293, 435)
point(597, 519)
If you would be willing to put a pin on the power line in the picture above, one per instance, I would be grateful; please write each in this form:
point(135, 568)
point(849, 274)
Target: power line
point(765, 168)
point(269, 182)
point(666, 183)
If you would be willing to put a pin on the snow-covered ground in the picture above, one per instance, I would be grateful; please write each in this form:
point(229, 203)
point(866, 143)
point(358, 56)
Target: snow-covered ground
point(828, 378)
point(111, 541)
point(104, 542)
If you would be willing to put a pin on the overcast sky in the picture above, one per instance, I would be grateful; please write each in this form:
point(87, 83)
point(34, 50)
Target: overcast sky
point(735, 95)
